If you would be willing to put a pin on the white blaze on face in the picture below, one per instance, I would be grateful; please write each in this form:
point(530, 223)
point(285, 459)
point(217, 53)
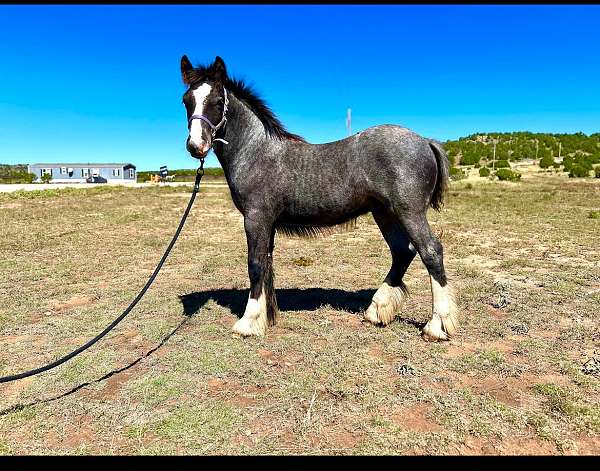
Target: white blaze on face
point(200, 95)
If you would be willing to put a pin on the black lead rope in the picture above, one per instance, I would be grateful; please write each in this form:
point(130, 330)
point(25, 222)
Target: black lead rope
point(74, 353)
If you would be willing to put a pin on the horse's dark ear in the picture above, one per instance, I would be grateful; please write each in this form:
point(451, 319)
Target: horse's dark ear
point(186, 69)
point(218, 69)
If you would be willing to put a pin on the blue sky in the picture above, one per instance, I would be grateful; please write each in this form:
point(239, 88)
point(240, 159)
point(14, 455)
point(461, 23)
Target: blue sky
point(102, 83)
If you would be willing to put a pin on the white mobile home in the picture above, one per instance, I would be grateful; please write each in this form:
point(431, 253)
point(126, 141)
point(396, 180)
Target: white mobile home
point(78, 173)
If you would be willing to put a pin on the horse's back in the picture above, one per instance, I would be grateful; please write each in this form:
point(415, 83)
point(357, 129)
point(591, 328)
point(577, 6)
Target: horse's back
point(393, 165)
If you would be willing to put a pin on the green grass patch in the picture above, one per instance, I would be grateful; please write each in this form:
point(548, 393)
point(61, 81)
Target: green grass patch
point(4, 448)
point(202, 427)
point(155, 389)
point(483, 362)
point(565, 403)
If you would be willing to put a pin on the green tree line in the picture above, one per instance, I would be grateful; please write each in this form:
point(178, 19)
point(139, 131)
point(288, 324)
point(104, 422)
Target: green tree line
point(577, 154)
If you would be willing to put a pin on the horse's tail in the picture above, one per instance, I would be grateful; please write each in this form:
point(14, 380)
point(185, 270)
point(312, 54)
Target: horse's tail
point(441, 183)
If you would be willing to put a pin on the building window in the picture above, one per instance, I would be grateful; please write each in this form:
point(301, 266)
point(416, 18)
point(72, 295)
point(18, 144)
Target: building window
point(63, 170)
point(116, 172)
point(85, 172)
point(131, 173)
point(95, 172)
point(46, 171)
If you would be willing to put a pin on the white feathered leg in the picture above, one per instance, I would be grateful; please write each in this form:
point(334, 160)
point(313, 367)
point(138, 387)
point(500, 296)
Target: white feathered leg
point(254, 321)
point(387, 302)
point(444, 323)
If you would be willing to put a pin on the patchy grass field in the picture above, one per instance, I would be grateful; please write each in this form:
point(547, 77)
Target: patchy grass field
point(521, 378)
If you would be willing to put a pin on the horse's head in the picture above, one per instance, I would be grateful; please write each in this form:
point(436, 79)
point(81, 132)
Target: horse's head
point(205, 102)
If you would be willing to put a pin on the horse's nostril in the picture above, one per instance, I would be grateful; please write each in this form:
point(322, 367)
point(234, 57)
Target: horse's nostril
point(197, 150)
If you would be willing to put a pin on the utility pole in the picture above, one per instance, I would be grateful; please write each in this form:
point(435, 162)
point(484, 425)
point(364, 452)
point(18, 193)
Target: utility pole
point(494, 158)
point(349, 121)
point(537, 143)
point(559, 148)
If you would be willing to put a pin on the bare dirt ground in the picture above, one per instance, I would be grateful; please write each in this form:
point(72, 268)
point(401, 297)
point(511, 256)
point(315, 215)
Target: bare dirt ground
point(522, 377)
point(20, 187)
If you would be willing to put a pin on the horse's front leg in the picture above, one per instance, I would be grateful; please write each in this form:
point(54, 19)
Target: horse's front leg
point(261, 309)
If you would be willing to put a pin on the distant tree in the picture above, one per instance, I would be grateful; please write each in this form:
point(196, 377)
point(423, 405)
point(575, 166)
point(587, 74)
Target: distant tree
point(456, 173)
point(579, 171)
point(543, 152)
point(508, 175)
point(567, 163)
point(547, 161)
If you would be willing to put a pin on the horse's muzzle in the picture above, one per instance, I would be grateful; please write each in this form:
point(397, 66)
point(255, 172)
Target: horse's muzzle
point(198, 151)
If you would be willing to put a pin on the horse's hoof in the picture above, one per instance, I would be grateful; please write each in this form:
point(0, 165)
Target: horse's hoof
point(439, 329)
point(371, 314)
point(387, 302)
point(245, 328)
point(432, 334)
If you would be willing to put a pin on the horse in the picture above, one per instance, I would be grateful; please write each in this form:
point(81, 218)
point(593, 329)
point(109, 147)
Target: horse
point(281, 183)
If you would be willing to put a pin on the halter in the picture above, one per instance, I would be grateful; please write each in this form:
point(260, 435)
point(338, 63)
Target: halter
point(214, 128)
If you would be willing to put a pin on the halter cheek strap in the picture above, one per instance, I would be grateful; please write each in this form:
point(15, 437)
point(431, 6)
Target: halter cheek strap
point(213, 127)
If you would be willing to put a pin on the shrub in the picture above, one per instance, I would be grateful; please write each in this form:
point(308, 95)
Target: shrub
point(469, 159)
point(182, 175)
point(597, 171)
point(19, 176)
point(456, 173)
point(547, 162)
point(484, 172)
point(579, 171)
point(46, 178)
point(505, 174)
point(502, 164)
point(567, 163)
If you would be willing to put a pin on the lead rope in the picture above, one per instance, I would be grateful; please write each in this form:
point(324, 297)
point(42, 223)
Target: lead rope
point(74, 353)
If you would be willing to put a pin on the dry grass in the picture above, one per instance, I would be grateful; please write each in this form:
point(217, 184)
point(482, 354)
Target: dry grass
point(523, 259)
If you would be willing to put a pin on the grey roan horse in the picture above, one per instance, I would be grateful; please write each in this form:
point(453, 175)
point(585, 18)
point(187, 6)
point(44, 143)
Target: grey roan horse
point(280, 182)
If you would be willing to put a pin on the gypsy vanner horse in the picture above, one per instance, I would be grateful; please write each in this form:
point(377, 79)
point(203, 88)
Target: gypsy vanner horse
point(280, 182)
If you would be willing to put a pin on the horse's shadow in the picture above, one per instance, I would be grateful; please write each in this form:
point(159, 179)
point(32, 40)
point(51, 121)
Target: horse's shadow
point(288, 299)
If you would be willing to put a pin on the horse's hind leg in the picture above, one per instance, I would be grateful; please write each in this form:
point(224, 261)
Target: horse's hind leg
point(261, 309)
point(388, 299)
point(443, 323)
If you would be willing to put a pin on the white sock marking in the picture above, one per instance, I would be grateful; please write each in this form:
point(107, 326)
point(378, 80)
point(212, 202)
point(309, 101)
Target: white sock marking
point(441, 300)
point(254, 320)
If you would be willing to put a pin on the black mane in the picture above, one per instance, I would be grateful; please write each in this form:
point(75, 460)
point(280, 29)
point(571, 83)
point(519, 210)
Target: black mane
point(248, 96)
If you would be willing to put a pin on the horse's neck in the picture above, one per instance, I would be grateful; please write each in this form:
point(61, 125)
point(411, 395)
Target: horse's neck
point(245, 135)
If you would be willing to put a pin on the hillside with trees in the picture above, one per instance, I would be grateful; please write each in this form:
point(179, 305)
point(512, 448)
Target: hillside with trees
point(577, 154)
